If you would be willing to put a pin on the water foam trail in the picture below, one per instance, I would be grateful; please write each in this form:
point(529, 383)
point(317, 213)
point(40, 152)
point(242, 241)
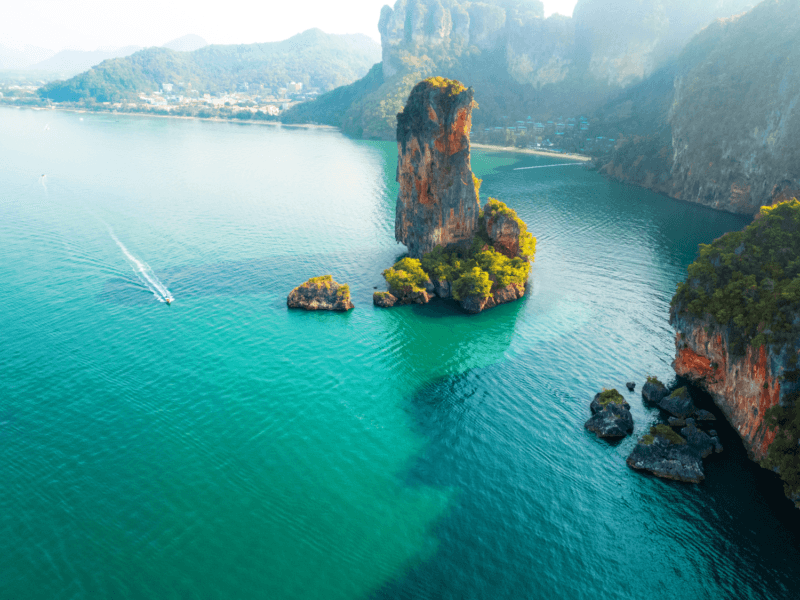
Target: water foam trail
point(143, 272)
point(43, 184)
point(572, 164)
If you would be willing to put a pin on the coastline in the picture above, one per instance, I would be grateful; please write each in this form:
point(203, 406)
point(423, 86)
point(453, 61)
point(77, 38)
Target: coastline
point(567, 156)
point(159, 116)
point(578, 157)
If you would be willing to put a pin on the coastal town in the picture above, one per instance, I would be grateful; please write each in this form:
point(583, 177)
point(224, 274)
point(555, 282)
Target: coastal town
point(248, 101)
point(561, 135)
point(256, 102)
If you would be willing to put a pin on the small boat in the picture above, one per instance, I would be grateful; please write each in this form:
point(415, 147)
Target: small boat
point(168, 300)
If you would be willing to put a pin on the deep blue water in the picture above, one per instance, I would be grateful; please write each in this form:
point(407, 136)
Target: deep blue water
point(225, 447)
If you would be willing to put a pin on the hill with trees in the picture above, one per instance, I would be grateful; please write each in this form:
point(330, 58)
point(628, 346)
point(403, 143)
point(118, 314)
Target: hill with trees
point(315, 58)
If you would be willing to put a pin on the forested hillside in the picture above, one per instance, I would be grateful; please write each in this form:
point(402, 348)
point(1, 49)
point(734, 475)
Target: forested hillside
point(317, 59)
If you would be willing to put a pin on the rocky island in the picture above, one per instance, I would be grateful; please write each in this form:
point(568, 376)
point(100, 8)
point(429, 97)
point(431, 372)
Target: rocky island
point(478, 257)
point(611, 415)
point(321, 293)
point(737, 322)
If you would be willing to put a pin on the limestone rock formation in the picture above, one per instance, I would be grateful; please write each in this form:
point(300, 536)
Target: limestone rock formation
point(718, 126)
point(321, 293)
point(679, 403)
point(611, 415)
point(474, 304)
point(438, 203)
point(654, 391)
point(519, 62)
point(737, 322)
point(384, 299)
point(666, 454)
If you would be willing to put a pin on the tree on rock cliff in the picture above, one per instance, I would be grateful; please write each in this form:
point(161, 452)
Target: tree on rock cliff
point(737, 318)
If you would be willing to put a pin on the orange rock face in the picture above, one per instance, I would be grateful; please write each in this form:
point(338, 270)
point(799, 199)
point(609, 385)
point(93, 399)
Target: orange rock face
point(744, 387)
point(437, 204)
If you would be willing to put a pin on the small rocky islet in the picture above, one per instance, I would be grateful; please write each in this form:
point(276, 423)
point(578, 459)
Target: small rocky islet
point(321, 293)
point(611, 415)
point(663, 451)
point(457, 250)
point(479, 257)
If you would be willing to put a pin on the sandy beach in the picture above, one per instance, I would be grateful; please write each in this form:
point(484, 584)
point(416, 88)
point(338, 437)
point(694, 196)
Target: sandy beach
point(579, 157)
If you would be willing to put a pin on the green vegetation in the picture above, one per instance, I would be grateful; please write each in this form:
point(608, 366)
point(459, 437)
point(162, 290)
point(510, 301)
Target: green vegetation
point(322, 280)
point(381, 295)
point(406, 276)
point(664, 431)
point(450, 86)
point(316, 59)
point(611, 396)
point(343, 292)
point(474, 282)
point(477, 183)
point(749, 279)
point(681, 391)
point(784, 453)
point(478, 269)
point(527, 243)
point(462, 264)
point(654, 380)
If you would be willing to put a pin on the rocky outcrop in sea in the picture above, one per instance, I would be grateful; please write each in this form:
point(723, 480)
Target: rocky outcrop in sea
point(321, 293)
point(611, 415)
point(438, 203)
point(478, 257)
point(737, 324)
point(665, 453)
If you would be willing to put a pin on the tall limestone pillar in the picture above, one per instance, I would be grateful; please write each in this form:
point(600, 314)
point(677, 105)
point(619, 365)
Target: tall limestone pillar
point(438, 203)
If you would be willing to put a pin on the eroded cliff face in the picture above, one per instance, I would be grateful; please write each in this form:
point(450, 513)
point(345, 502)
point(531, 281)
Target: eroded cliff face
point(437, 204)
point(737, 322)
point(518, 61)
point(744, 387)
point(727, 133)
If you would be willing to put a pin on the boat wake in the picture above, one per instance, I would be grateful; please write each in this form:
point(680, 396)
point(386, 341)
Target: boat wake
point(572, 164)
point(144, 273)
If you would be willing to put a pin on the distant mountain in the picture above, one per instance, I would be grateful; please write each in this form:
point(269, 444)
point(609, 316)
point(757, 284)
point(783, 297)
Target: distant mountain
point(72, 62)
point(22, 58)
point(186, 43)
point(518, 62)
point(314, 58)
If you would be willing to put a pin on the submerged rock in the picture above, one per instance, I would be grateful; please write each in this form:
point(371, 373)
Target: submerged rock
point(611, 415)
point(666, 454)
point(321, 293)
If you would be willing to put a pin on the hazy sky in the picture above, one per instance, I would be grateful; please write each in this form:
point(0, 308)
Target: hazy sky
point(89, 24)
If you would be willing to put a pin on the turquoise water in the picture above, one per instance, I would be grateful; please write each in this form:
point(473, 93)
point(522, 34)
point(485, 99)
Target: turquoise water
point(224, 447)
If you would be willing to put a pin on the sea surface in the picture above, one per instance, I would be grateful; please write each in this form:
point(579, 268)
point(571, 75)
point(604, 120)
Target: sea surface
point(226, 447)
